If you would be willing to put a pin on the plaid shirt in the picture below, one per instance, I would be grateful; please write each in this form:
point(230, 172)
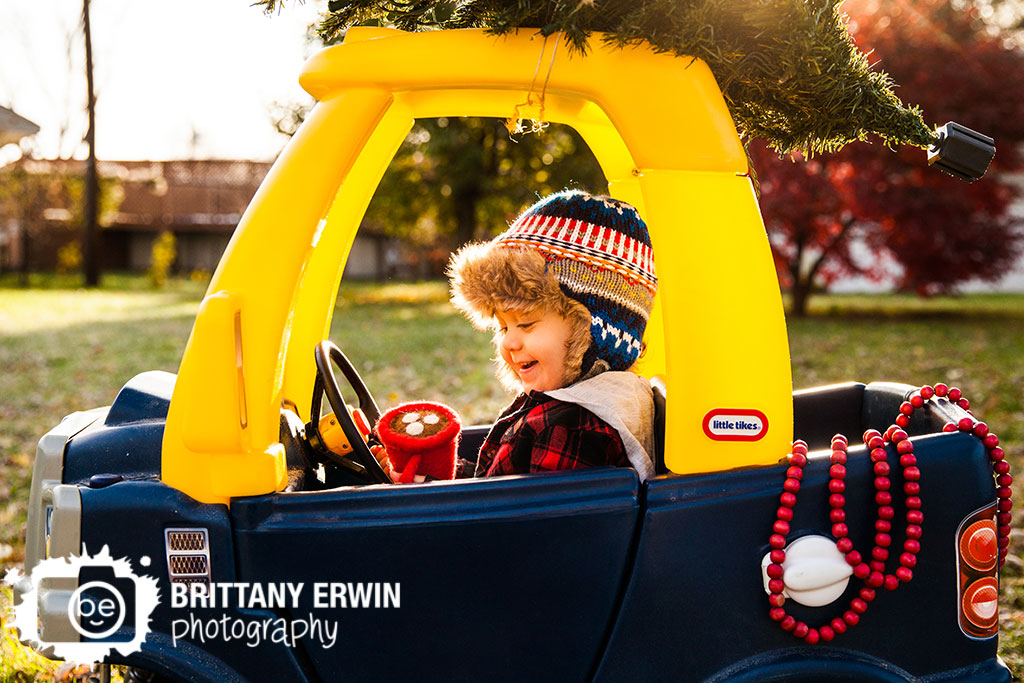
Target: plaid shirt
point(537, 433)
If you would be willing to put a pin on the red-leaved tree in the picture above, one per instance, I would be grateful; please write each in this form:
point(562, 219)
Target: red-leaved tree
point(941, 230)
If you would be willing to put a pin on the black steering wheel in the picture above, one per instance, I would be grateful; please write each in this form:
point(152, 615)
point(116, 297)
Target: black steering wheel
point(325, 353)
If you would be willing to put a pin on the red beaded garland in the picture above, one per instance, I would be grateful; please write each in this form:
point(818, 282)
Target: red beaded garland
point(873, 573)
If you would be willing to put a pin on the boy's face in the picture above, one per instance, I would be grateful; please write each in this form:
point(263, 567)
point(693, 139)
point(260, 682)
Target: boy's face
point(534, 345)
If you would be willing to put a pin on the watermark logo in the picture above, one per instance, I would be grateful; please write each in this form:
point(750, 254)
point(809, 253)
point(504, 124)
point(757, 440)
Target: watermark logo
point(108, 606)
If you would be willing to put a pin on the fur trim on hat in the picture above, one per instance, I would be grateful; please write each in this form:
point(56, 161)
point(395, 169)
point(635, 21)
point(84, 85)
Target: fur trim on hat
point(486, 278)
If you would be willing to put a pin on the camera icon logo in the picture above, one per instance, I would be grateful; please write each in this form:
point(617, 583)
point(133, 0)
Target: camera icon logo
point(103, 605)
point(84, 607)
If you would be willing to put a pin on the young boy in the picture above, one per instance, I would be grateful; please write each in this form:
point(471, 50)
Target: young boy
point(568, 289)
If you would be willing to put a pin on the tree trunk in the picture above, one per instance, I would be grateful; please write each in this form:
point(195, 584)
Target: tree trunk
point(800, 294)
point(90, 236)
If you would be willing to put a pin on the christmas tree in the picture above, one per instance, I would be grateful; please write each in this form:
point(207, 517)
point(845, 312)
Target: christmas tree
point(789, 70)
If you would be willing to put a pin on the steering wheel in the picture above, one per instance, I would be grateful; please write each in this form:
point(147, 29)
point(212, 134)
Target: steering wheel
point(325, 353)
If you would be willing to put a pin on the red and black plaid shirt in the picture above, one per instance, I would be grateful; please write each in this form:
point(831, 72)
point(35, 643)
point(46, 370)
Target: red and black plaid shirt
point(539, 434)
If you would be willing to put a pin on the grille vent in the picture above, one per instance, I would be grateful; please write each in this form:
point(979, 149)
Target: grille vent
point(188, 556)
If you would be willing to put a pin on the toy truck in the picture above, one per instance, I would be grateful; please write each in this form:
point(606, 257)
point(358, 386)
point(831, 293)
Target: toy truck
point(219, 476)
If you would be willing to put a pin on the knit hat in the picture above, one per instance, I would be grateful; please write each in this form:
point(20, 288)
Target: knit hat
point(599, 251)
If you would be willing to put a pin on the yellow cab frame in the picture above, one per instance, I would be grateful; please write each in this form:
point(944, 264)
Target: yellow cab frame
point(659, 127)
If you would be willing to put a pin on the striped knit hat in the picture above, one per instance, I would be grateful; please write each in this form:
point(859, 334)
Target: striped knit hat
point(599, 250)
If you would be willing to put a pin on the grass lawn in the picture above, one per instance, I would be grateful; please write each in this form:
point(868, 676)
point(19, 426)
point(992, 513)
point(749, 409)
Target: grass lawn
point(64, 349)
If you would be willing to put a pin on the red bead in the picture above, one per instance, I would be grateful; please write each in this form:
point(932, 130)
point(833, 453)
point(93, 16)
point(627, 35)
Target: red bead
point(799, 447)
point(838, 457)
point(964, 403)
point(912, 546)
point(797, 460)
point(904, 574)
point(880, 554)
point(904, 447)
point(917, 400)
point(1003, 492)
point(837, 500)
point(911, 488)
point(838, 625)
point(908, 460)
point(784, 513)
point(1004, 542)
point(883, 540)
point(781, 527)
point(777, 556)
point(941, 390)
point(990, 441)
point(913, 531)
point(906, 408)
point(1004, 518)
point(876, 442)
point(882, 484)
point(875, 579)
point(891, 583)
point(913, 502)
point(827, 634)
point(853, 558)
point(801, 629)
point(981, 430)
point(777, 614)
point(836, 485)
point(915, 517)
point(877, 566)
point(812, 636)
point(882, 469)
point(1001, 467)
point(1004, 529)
point(837, 515)
point(1004, 480)
point(908, 559)
point(912, 474)
point(840, 439)
point(996, 454)
point(795, 473)
point(844, 544)
point(883, 497)
point(927, 392)
point(776, 585)
point(1004, 505)
point(858, 606)
point(878, 455)
point(949, 427)
point(777, 541)
point(862, 571)
point(889, 432)
point(837, 471)
point(867, 594)
point(788, 499)
point(871, 434)
point(776, 599)
point(883, 525)
point(965, 424)
point(851, 617)
point(791, 485)
point(955, 394)
point(899, 435)
point(788, 623)
point(774, 571)
point(902, 421)
point(839, 530)
point(886, 512)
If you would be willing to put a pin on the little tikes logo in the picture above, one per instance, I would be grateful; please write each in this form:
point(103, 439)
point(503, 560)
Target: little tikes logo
point(735, 424)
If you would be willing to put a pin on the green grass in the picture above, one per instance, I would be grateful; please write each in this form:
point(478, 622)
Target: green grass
point(64, 349)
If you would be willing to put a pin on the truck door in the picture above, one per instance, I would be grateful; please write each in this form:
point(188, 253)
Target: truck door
point(512, 578)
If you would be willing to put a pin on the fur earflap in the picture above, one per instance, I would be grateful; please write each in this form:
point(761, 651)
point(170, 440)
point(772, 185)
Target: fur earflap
point(486, 278)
